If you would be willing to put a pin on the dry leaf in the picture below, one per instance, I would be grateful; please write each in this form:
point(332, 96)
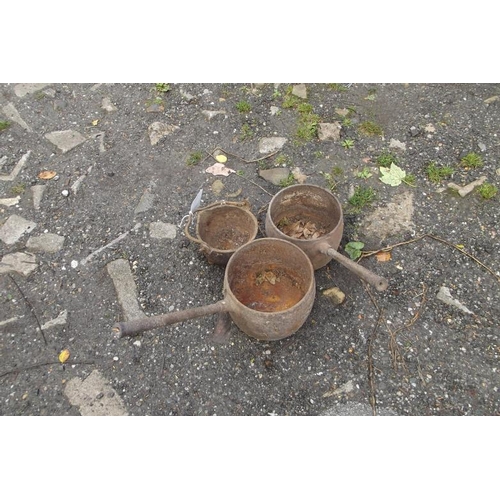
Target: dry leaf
point(64, 356)
point(47, 174)
point(95, 122)
point(221, 158)
point(220, 169)
point(268, 276)
point(298, 175)
point(383, 256)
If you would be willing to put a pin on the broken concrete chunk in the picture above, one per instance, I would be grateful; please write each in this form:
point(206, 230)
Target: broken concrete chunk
point(300, 90)
point(158, 131)
point(12, 114)
point(16, 169)
point(271, 144)
point(329, 131)
point(14, 228)
point(122, 277)
point(444, 295)
point(37, 191)
point(22, 89)
point(145, 203)
point(162, 230)
point(107, 105)
point(65, 140)
point(275, 175)
point(212, 114)
point(465, 190)
point(60, 320)
point(10, 202)
point(394, 143)
point(95, 396)
point(387, 221)
point(48, 242)
point(19, 262)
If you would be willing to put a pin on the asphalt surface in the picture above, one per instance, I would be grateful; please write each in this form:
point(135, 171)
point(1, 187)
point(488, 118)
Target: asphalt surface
point(95, 184)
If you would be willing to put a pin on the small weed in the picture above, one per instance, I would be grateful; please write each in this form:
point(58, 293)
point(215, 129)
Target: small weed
point(276, 94)
point(436, 174)
point(308, 127)
point(362, 196)
point(346, 122)
point(305, 107)
point(18, 189)
point(353, 249)
point(281, 160)
point(162, 87)
point(194, 158)
point(348, 143)
point(364, 174)
point(337, 87)
point(319, 154)
point(4, 125)
point(156, 101)
point(370, 128)
point(290, 100)
point(289, 181)
point(246, 132)
point(487, 190)
point(385, 159)
point(243, 107)
point(241, 173)
point(331, 177)
point(471, 160)
point(410, 179)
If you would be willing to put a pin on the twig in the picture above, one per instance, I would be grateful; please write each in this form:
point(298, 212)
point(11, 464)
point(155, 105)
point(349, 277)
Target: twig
point(42, 363)
point(30, 307)
point(243, 159)
point(465, 253)
point(428, 235)
point(246, 161)
point(255, 184)
point(371, 371)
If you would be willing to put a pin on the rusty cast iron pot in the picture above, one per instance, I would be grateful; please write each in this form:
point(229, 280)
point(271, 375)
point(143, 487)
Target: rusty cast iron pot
point(221, 228)
point(306, 202)
point(269, 290)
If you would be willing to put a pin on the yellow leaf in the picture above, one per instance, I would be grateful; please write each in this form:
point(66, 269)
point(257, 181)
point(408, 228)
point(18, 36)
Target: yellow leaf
point(47, 174)
point(95, 122)
point(221, 158)
point(383, 256)
point(64, 356)
point(460, 247)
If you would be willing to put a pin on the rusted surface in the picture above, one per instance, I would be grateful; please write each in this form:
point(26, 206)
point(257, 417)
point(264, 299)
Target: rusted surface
point(269, 291)
point(311, 217)
point(223, 229)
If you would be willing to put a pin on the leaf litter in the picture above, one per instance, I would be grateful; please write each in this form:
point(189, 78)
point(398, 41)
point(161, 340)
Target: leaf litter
point(300, 229)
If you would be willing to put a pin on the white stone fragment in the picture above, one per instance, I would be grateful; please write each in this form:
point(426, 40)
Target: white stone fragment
point(444, 295)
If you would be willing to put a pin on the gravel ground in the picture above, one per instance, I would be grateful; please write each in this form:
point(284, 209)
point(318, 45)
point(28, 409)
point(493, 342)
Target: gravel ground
point(119, 197)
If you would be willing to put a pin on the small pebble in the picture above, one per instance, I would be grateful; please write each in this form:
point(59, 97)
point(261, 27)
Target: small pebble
point(65, 193)
point(74, 264)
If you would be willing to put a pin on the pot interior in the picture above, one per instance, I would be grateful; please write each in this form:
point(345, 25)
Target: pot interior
point(226, 228)
point(269, 275)
point(305, 212)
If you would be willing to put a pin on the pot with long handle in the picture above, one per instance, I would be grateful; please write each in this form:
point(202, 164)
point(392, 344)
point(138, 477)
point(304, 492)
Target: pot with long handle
point(311, 217)
point(269, 291)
